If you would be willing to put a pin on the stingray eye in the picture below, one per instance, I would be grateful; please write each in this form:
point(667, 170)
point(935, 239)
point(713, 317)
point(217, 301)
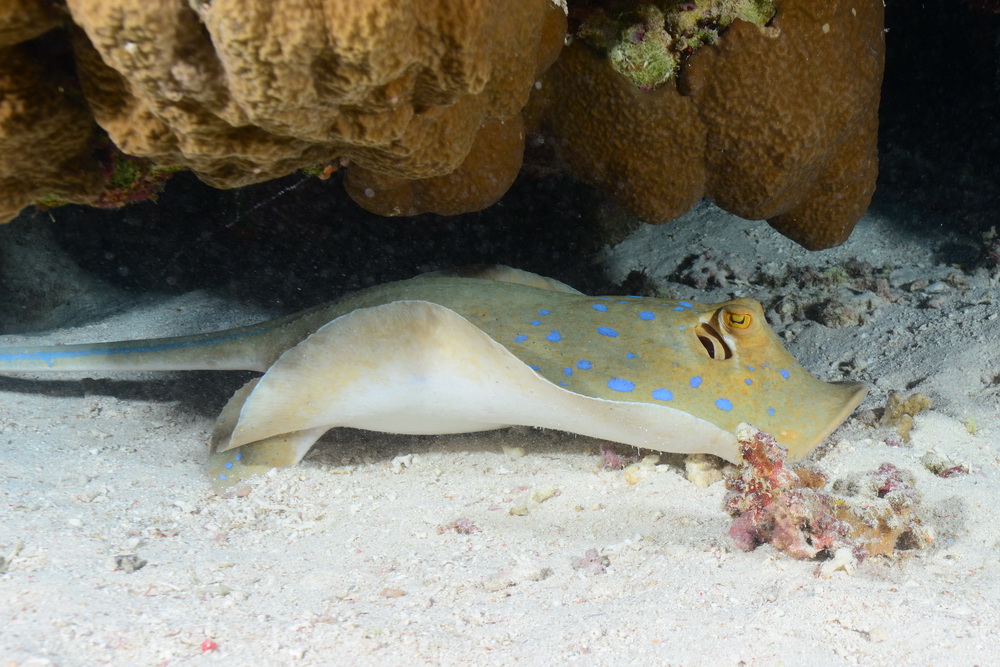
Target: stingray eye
point(737, 320)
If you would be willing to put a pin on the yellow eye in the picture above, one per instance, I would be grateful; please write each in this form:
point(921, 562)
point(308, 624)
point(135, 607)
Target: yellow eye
point(738, 320)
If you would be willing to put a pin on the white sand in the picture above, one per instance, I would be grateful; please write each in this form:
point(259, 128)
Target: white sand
point(348, 558)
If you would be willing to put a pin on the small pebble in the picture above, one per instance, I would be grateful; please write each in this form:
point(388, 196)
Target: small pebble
point(127, 563)
point(217, 590)
point(935, 302)
point(702, 470)
point(392, 592)
point(513, 453)
point(543, 494)
point(843, 559)
point(637, 471)
point(937, 287)
point(401, 462)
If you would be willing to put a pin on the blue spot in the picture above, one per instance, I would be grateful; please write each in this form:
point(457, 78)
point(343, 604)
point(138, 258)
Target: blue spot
point(630, 355)
point(681, 328)
point(229, 464)
point(223, 476)
point(535, 323)
point(662, 394)
point(751, 368)
point(534, 368)
point(606, 331)
point(747, 380)
point(583, 364)
point(784, 373)
point(543, 312)
point(520, 338)
point(239, 456)
point(695, 381)
point(599, 306)
point(724, 404)
point(554, 337)
point(567, 371)
point(770, 411)
point(620, 385)
point(623, 302)
point(562, 384)
point(678, 308)
point(647, 315)
point(686, 304)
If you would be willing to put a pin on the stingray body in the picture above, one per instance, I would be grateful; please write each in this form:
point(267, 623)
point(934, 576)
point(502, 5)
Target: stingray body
point(450, 353)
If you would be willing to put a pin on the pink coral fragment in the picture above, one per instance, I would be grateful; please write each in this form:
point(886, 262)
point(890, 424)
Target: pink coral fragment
point(612, 460)
point(788, 508)
point(772, 504)
point(462, 526)
point(593, 562)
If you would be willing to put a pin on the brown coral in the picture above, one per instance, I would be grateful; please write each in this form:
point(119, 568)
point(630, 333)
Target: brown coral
point(899, 411)
point(643, 148)
point(777, 122)
point(47, 134)
point(423, 100)
point(244, 92)
point(23, 20)
point(484, 175)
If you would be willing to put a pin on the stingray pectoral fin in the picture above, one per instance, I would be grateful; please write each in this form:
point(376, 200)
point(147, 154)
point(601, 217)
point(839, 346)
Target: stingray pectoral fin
point(229, 417)
point(418, 367)
point(818, 410)
point(504, 274)
point(279, 451)
point(226, 466)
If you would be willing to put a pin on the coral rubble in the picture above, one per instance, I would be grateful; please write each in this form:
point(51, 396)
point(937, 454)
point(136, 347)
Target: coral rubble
point(788, 507)
point(899, 412)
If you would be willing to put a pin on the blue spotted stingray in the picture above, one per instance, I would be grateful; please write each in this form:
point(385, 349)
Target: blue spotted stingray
point(458, 353)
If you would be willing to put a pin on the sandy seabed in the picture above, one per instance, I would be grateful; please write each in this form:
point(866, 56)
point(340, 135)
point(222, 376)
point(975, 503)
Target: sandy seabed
point(383, 549)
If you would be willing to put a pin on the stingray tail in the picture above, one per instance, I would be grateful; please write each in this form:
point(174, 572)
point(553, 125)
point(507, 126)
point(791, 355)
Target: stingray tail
point(251, 348)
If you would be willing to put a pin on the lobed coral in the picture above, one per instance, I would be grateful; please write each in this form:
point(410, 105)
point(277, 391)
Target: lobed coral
point(768, 107)
point(423, 96)
point(775, 122)
point(47, 134)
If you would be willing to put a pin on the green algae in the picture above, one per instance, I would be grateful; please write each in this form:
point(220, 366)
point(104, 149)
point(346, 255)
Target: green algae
point(647, 42)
